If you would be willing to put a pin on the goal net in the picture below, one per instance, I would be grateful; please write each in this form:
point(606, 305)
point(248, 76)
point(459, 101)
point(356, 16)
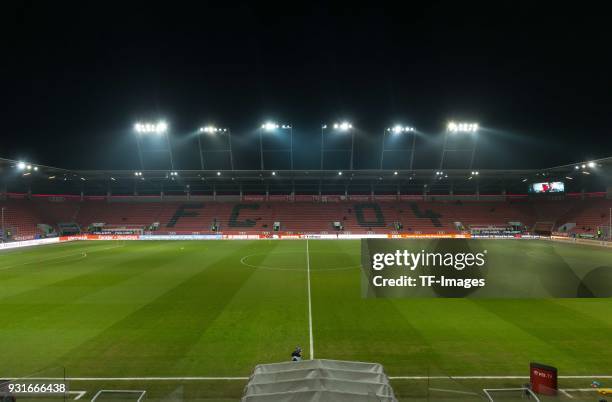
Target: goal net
point(510, 394)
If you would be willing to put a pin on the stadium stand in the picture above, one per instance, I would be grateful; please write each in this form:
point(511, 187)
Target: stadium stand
point(572, 215)
point(19, 219)
point(587, 217)
point(117, 213)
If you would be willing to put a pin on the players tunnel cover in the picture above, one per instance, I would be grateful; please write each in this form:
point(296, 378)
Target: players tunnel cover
point(424, 268)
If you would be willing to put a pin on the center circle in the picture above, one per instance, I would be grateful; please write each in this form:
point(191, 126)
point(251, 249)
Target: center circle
point(320, 261)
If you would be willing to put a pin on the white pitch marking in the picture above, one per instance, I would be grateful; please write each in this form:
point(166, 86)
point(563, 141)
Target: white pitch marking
point(492, 377)
point(138, 378)
point(564, 392)
point(581, 389)
point(453, 391)
point(309, 303)
point(82, 254)
point(465, 377)
point(244, 262)
point(122, 391)
point(529, 391)
point(79, 394)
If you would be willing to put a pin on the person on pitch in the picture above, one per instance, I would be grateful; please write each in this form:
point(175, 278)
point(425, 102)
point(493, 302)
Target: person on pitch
point(296, 355)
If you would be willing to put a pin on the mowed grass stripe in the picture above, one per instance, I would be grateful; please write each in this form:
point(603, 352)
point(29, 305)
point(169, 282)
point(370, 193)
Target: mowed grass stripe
point(29, 255)
point(161, 333)
point(78, 261)
point(349, 327)
point(573, 340)
point(73, 311)
point(82, 278)
point(455, 336)
point(513, 332)
point(465, 338)
point(262, 322)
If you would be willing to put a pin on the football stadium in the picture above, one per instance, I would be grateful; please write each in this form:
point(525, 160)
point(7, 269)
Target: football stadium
point(329, 203)
point(182, 284)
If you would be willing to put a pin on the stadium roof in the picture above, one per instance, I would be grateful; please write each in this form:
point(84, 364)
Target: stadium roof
point(24, 177)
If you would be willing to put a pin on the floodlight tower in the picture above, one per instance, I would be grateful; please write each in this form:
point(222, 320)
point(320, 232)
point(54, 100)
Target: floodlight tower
point(273, 128)
point(395, 131)
point(454, 128)
point(215, 131)
point(147, 128)
point(343, 128)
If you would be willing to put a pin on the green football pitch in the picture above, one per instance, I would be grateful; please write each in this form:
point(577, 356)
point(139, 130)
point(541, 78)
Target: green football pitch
point(190, 320)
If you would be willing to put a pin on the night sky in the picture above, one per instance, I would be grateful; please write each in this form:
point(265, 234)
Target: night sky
point(538, 78)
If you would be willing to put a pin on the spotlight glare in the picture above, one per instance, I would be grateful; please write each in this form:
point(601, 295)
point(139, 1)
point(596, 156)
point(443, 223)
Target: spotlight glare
point(397, 129)
point(21, 165)
point(591, 164)
point(160, 127)
point(344, 126)
point(269, 126)
point(462, 127)
point(218, 173)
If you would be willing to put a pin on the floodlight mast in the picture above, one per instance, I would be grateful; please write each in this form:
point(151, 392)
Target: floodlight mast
point(272, 127)
point(212, 130)
point(458, 128)
point(147, 128)
point(344, 126)
point(398, 130)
